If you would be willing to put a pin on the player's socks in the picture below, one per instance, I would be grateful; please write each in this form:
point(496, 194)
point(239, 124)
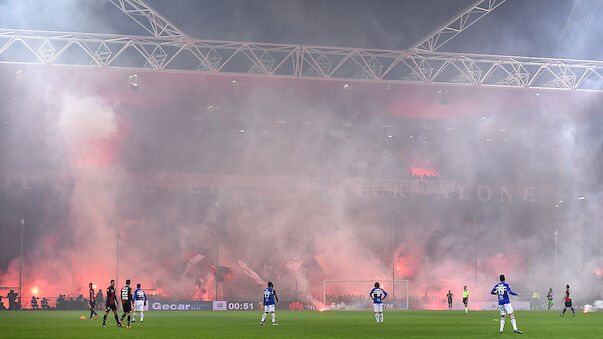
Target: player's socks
point(104, 319)
point(466, 309)
point(141, 316)
point(377, 317)
point(573, 312)
point(382, 317)
point(514, 323)
point(273, 318)
point(263, 317)
point(116, 319)
point(128, 321)
point(134, 317)
point(502, 324)
point(562, 313)
point(123, 316)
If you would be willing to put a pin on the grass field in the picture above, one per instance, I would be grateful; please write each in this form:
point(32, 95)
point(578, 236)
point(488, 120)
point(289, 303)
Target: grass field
point(301, 324)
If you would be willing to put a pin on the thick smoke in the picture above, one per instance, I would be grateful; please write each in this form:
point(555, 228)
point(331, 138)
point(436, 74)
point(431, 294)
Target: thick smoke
point(102, 143)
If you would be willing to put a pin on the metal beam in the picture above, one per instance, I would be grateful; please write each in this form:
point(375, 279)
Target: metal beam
point(148, 18)
point(456, 25)
point(168, 54)
point(572, 37)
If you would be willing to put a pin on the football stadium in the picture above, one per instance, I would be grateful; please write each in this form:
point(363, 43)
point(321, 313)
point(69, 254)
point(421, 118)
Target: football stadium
point(301, 168)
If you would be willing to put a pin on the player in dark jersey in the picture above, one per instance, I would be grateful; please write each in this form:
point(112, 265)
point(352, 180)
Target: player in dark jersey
point(568, 301)
point(92, 302)
point(111, 304)
point(126, 301)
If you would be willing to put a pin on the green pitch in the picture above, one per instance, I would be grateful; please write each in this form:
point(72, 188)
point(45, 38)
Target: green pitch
point(302, 324)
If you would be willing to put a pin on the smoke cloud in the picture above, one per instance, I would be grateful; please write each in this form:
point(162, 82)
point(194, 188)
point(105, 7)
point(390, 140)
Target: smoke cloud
point(106, 166)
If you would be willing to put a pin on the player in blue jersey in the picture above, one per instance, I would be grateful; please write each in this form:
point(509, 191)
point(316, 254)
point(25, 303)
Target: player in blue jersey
point(378, 295)
point(502, 290)
point(269, 304)
point(140, 301)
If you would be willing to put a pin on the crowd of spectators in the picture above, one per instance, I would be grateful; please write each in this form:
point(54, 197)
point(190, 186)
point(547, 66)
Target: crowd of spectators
point(37, 303)
point(78, 303)
point(13, 304)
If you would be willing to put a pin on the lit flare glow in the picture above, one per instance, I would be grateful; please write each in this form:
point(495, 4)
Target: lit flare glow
point(34, 291)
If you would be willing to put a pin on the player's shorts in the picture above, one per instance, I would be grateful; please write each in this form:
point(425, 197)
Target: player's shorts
point(465, 301)
point(92, 303)
point(378, 307)
point(568, 303)
point(269, 308)
point(111, 307)
point(126, 305)
point(505, 309)
point(138, 305)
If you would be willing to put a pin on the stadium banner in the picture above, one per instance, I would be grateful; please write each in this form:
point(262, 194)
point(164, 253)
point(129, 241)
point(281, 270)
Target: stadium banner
point(181, 305)
point(197, 183)
point(356, 305)
point(493, 305)
point(244, 305)
point(219, 305)
point(299, 305)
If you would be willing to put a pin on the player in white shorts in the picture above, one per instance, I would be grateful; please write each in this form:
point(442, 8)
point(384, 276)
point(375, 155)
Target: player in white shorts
point(269, 302)
point(378, 295)
point(140, 301)
point(505, 309)
point(502, 290)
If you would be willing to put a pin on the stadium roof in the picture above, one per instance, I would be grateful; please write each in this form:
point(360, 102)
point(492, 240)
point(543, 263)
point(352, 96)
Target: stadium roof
point(516, 27)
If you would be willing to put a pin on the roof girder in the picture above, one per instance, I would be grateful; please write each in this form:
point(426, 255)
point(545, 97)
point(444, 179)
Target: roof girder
point(297, 61)
point(456, 25)
point(148, 18)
